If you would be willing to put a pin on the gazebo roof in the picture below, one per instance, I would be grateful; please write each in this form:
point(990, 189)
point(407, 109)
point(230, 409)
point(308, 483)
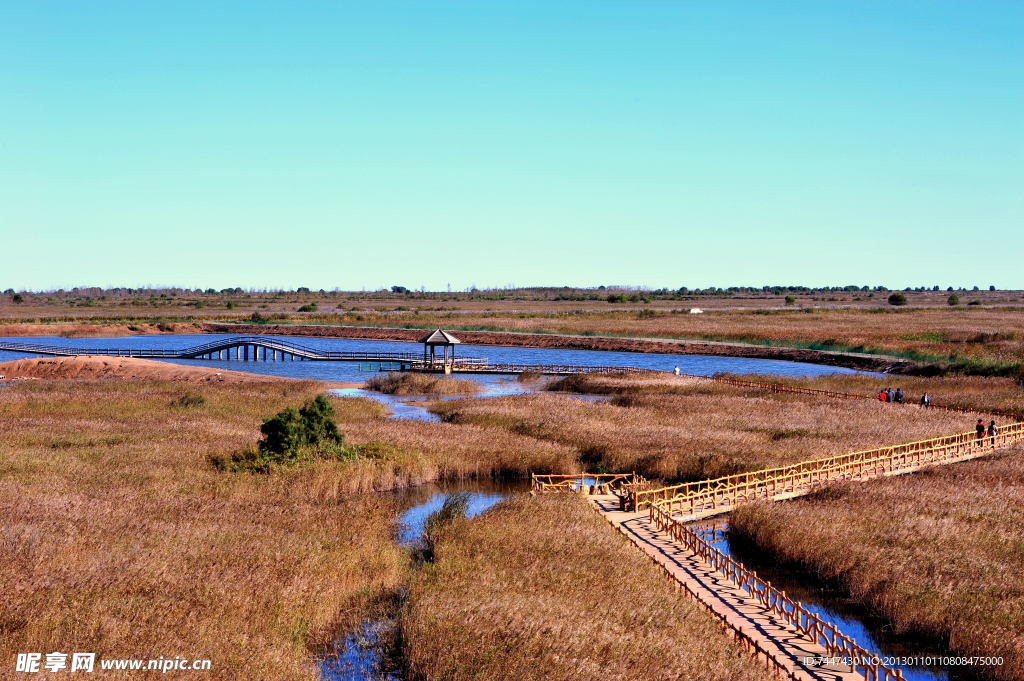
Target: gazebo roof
point(439, 337)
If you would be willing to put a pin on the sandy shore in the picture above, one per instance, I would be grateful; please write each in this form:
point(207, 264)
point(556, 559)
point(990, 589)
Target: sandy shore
point(96, 368)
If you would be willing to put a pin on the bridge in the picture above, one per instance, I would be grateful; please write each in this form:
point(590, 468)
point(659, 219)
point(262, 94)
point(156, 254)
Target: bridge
point(263, 348)
point(771, 626)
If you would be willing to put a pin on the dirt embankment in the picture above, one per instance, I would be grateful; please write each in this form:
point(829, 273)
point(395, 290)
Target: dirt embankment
point(95, 368)
point(567, 342)
point(86, 330)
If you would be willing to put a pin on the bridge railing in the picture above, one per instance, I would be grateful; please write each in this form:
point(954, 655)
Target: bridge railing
point(835, 642)
point(723, 493)
point(577, 482)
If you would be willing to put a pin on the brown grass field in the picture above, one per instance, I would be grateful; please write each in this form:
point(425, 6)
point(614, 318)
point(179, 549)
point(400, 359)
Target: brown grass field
point(541, 589)
point(701, 429)
point(938, 552)
point(119, 538)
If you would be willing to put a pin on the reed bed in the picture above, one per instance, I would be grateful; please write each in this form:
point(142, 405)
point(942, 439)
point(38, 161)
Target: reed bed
point(968, 392)
point(392, 383)
point(704, 430)
point(938, 552)
point(541, 589)
point(119, 538)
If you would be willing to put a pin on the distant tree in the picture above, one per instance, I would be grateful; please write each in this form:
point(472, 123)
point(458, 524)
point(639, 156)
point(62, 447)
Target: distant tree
point(302, 289)
point(950, 288)
point(975, 289)
point(17, 299)
point(991, 288)
point(897, 299)
point(9, 292)
point(935, 288)
point(953, 300)
point(616, 298)
point(399, 289)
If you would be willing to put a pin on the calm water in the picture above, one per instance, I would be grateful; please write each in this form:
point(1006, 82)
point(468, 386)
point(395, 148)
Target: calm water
point(831, 604)
point(351, 371)
point(368, 654)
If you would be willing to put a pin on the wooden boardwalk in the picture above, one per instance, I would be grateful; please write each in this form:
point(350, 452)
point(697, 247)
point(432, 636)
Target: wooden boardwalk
point(761, 630)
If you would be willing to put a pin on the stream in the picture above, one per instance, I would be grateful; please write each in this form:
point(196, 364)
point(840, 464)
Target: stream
point(366, 654)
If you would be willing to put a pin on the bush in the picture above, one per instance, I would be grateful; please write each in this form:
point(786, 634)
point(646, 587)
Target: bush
point(257, 318)
point(790, 300)
point(308, 307)
point(953, 300)
point(17, 298)
point(897, 299)
point(293, 436)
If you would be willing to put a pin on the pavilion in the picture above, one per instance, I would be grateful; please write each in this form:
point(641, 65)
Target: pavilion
point(443, 339)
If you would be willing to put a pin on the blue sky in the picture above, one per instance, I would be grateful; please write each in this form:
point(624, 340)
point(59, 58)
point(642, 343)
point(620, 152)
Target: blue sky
point(550, 142)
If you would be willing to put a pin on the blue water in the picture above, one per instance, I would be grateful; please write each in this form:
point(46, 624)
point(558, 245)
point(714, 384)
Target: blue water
point(351, 371)
point(832, 605)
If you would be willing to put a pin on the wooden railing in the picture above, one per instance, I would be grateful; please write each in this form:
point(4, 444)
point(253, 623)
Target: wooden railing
point(607, 483)
point(836, 643)
point(709, 497)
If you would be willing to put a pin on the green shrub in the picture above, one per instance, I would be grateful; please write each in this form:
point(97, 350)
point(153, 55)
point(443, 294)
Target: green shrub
point(790, 300)
point(897, 299)
point(953, 300)
point(308, 307)
point(293, 436)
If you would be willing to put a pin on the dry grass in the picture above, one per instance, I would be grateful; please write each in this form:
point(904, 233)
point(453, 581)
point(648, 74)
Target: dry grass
point(704, 429)
point(970, 392)
point(392, 383)
point(119, 538)
point(938, 551)
point(542, 589)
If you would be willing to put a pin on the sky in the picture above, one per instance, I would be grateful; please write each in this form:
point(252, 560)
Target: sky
point(358, 145)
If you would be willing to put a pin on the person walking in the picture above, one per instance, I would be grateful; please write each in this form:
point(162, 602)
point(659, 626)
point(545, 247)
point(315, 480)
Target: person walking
point(926, 401)
point(979, 428)
point(899, 396)
point(993, 430)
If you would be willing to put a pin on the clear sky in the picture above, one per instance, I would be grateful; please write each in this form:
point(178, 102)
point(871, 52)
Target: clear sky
point(528, 142)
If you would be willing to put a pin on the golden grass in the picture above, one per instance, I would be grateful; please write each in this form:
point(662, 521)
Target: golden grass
point(704, 429)
point(119, 538)
point(939, 551)
point(970, 392)
point(541, 589)
point(392, 383)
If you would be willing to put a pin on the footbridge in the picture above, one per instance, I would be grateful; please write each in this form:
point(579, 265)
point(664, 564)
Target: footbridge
point(244, 348)
point(791, 639)
point(263, 348)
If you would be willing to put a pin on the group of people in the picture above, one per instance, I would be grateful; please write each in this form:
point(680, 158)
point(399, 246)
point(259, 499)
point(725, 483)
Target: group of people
point(991, 431)
point(890, 395)
point(897, 396)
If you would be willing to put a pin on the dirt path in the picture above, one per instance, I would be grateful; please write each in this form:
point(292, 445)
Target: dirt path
point(735, 606)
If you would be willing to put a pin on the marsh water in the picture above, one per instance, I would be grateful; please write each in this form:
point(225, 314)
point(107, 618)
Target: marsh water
point(702, 365)
point(369, 653)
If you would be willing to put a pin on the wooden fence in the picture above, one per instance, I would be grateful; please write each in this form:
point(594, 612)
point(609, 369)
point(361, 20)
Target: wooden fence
point(709, 497)
point(606, 483)
point(836, 643)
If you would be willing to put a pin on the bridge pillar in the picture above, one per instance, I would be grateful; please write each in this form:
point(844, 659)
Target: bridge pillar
point(246, 358)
